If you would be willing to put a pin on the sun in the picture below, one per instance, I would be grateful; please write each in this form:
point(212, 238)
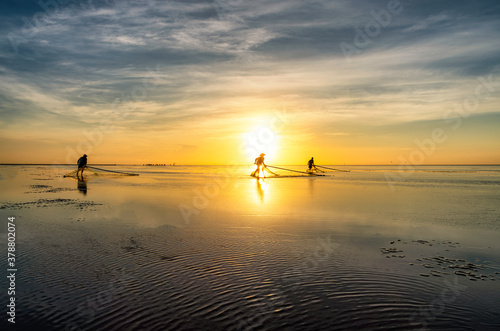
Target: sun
point(261, 139)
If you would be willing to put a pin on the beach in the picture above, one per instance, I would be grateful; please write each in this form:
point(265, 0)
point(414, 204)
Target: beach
point(211, 248)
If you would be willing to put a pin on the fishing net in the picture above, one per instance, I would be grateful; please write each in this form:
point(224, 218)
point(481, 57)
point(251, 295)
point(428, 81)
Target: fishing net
point(93, 171)
point(273, 171)
point(328, 169)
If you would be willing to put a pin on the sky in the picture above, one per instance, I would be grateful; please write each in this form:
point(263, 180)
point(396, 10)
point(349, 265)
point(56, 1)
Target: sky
point(219, 82)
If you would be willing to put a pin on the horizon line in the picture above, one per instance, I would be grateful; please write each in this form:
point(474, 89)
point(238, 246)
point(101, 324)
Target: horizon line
point(178, 165)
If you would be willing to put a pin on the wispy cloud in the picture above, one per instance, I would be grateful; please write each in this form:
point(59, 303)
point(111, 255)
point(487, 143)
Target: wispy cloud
point(227, 60)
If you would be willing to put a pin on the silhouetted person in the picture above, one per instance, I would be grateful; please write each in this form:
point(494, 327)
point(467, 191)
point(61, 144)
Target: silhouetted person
point(82, 163)
point(260, 165)
point(311, 164)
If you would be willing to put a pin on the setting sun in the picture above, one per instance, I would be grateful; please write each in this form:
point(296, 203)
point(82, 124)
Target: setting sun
point(261, 139)
point(243, 165)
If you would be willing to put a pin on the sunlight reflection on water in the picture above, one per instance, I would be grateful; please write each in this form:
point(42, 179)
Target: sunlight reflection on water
point(291, 249)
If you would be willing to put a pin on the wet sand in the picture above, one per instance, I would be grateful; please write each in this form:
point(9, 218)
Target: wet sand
point(197, 248)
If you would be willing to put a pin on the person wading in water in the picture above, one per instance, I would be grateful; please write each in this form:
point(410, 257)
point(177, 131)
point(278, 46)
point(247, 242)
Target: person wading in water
point(82, 164)
point(311, 165)
point(260, 166)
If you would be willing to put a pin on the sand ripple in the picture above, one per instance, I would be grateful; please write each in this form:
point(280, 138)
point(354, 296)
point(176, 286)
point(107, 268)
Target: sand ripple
point(249, 279)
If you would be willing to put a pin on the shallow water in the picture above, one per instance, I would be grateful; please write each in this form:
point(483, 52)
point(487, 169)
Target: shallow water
point(206, 247)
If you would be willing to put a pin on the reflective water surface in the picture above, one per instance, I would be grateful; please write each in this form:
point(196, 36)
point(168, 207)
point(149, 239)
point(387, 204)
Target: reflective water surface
point(206, 247)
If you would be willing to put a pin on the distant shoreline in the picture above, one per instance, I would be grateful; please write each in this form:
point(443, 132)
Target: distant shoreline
point(220, 165)
point(61, 164)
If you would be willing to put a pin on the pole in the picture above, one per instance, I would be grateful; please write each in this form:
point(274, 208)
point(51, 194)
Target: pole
point(117, 172)
point(333, 169)
point(301, 172)
point(270, 171)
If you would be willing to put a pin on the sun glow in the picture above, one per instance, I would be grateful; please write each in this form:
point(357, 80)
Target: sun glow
point(261, 140)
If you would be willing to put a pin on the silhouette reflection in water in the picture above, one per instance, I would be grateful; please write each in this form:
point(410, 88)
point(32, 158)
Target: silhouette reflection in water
point(261, 188)
point(311, 186)
point(82, 185)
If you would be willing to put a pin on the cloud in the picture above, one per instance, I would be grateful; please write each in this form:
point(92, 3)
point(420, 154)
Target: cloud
point(222, 62)
point(442, 19)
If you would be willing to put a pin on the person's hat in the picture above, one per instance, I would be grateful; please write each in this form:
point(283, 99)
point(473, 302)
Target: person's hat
point(262, 154)
point(85, 155)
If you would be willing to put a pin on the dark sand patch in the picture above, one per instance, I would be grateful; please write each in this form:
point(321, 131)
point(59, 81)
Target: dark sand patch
point(438, 265)
point(43, 203)
point(48, 189)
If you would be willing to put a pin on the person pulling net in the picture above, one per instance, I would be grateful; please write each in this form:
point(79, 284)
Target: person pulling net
point(261, 169)
point(311, 167)
point(82, 165)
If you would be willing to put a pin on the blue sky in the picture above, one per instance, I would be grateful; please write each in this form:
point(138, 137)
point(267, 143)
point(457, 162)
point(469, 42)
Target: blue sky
point(183, 81)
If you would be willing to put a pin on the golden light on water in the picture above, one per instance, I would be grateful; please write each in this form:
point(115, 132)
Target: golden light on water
point(262, 189)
